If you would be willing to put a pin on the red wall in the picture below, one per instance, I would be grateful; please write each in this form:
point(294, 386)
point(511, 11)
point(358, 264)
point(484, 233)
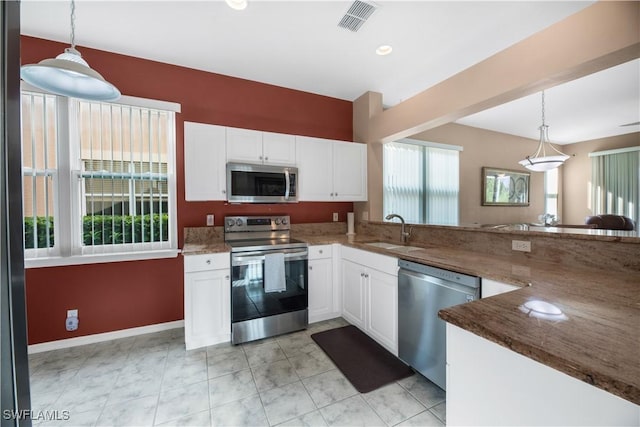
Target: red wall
point(124, 295)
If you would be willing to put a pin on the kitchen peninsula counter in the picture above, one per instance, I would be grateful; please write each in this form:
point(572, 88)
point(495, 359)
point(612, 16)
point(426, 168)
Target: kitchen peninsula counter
point(598, 340)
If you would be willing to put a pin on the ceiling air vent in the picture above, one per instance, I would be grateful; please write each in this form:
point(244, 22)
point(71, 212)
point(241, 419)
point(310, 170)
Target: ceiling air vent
point(357, 15)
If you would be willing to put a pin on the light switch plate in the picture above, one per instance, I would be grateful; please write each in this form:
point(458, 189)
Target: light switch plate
point(335, 216)
point(210, 220)
point(72, 313)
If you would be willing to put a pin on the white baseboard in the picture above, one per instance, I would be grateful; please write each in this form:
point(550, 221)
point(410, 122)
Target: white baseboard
point(106, 336)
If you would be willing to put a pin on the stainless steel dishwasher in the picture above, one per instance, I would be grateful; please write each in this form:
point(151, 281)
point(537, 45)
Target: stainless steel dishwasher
point(422, 292)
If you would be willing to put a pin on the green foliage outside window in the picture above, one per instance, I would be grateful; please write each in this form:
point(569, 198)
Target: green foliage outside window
point(40, 232)
point(105, 230)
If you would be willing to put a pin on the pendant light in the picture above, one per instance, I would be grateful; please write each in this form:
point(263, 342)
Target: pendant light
point(539, 161)
point(69, 75)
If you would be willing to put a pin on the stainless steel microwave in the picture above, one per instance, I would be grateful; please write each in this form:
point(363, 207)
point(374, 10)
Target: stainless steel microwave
point(251, 183)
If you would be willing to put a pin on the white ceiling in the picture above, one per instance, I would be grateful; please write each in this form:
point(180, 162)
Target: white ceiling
point(297, 44)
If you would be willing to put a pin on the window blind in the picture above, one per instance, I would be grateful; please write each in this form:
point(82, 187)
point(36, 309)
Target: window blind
point(421, 182)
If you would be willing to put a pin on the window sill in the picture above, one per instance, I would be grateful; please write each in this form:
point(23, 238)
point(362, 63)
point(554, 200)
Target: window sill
point(99, 258)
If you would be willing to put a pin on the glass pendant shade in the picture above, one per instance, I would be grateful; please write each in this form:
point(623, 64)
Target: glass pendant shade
point(540, 161)
point(69, 75)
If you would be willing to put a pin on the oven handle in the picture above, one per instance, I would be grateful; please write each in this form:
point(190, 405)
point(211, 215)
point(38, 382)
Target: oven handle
point(247, 257)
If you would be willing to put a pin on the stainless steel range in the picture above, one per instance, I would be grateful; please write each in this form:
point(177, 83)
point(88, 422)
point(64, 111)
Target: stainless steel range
point(269, 284)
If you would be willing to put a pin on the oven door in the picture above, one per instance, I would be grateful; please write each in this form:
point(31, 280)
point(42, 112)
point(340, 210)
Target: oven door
point(250, 300)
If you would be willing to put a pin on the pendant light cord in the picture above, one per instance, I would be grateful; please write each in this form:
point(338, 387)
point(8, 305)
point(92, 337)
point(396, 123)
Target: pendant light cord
point(543, 123)
point(73, 26)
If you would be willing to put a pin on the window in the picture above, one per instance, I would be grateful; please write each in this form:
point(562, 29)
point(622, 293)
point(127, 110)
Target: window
point(99, 179)
point(551, 192)
point(421, 181)
point(615, 182)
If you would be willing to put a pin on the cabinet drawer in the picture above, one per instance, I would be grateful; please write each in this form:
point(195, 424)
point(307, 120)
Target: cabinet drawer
point(383, 263)
point(206, 262)
point(320, 251)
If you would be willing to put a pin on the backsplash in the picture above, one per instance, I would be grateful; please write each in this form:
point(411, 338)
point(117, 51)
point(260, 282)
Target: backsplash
point(565, 249)
point(211, 235)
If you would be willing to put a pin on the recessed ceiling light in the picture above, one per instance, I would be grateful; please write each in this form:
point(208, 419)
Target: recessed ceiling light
point(383, 50)
point(237, 4)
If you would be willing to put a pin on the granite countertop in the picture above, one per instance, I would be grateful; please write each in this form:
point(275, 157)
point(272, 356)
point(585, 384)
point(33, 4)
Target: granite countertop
point(595, 339)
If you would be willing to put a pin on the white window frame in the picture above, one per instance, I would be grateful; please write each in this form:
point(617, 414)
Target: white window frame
point(68, 249)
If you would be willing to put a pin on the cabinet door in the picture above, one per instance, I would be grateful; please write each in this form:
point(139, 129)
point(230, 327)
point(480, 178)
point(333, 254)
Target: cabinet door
point(207, 308)
point(320, 289)
point(353, 293)
point(315, 169)
point(382, 308)
point(279, 148)
point(244, 145)
point(204, 162)
point(349, 171)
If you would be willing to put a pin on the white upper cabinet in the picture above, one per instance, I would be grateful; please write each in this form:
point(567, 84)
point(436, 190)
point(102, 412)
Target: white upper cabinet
point(315, 169)
point(252, 146)
point(279, 148)
point(244, 145)
point(331, 170)
point(349, 171)
point(204, 162)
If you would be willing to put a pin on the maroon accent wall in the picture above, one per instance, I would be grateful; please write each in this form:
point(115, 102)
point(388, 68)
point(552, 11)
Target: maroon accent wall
point(124, 295)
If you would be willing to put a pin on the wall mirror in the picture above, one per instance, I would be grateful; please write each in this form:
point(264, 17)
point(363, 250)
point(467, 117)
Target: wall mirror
point(504, 187)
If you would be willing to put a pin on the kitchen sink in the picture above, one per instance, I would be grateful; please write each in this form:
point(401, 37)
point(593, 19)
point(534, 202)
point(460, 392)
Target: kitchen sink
point(405, 249)
point(394, 247)
point(383, 245)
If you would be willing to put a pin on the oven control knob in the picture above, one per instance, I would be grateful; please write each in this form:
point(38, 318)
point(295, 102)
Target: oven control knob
point(277, 221)
point(230, 222)
point(238, 222)
point(284, 221)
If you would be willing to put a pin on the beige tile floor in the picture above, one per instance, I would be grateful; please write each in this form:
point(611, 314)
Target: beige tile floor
point(287, 380)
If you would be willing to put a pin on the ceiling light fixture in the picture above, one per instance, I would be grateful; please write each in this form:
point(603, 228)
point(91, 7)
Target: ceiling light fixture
point(237, 4)
point(383, 50)
point(539, 161)
point(70, 75)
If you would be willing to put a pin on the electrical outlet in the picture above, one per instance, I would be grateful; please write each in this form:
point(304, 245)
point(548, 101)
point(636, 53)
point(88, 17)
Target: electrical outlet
point(71, 322)
point(365, 215)
point(210, 220)
point(521, 245)
point(335, 216)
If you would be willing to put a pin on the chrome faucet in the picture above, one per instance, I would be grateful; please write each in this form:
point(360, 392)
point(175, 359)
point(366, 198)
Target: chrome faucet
point(404, 236)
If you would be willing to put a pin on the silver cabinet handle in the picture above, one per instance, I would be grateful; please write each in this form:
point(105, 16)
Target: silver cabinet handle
point(226, 277)
point(361, 274)
point(208, 262)
point(310, 268)
point(224, 191)
point(266, 158)
point(320, 251)
point(260, 157)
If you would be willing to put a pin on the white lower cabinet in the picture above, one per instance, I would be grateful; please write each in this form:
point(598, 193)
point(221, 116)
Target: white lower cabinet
point(324, 292)
point(479, 373)
point(370, 295)
point(491, 287)
point(207, 300)
point(353, 283)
